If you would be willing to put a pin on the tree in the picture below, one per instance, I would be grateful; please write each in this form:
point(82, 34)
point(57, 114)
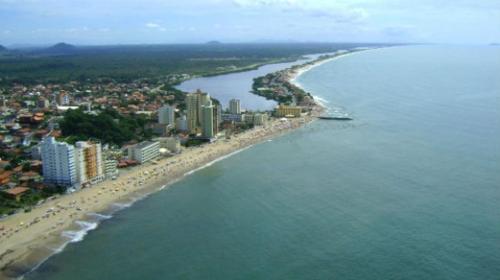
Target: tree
point(26, 167)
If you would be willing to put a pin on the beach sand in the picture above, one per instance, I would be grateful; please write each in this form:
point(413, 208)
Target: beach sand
point(26, 239)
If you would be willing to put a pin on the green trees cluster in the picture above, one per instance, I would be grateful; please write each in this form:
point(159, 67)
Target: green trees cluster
point(108, 126)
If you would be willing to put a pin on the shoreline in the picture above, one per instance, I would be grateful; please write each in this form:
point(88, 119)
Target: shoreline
point(294, 74)
point(29, 239)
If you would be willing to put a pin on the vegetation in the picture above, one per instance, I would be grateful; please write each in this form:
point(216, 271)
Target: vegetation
point(108, 126)
point(9, 206)
point(193, 142)
point(125, 63)
point(260, 88)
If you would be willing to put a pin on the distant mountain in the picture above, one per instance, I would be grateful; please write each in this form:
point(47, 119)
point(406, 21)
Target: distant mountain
point(59, 49)
point(214, 43)
point(3, 49)
point(62, 47)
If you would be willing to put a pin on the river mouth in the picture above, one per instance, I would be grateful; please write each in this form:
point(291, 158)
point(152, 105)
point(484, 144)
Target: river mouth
point(239, 85)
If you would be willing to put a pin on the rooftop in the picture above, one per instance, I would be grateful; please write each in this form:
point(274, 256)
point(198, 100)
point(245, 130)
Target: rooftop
point(145, 144)
point(17, 190)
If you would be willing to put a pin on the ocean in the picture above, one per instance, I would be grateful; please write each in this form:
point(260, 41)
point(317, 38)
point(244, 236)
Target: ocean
point(408, 190)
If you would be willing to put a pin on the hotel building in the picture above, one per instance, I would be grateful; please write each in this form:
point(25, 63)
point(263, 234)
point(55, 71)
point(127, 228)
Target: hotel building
point(234, 106)
point(208, 122)
point(181, 123)
point(195, 103)
point(288, 111)
point(110, 168)
point(192, 112)
point(144, 151)
point(89, 165)
point(166, 115)
point(59, 166)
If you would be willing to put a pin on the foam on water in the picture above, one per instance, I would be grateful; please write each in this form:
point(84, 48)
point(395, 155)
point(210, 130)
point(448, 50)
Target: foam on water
point(374, 202)
point(100, 216)
point(78, 235)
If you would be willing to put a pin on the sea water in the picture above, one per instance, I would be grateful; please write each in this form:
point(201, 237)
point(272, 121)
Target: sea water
point(408, 190)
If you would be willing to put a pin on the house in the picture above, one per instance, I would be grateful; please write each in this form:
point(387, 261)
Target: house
point(16, 193)
point(5, 177)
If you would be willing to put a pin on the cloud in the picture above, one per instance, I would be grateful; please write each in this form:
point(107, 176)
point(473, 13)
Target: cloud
point(155, 26)
point(152, 25)
point(340, 15)
point(332, 10)
point(260, 3)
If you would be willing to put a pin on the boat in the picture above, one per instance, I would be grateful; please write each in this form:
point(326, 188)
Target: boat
point(335, 118)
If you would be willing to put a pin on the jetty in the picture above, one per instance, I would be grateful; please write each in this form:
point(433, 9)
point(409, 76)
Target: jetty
point(335, 118)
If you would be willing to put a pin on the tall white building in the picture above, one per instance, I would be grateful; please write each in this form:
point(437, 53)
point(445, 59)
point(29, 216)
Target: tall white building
point(166, 115)
point(181, 123)
point(234, 106)
point(208, 121)
point(58, 159)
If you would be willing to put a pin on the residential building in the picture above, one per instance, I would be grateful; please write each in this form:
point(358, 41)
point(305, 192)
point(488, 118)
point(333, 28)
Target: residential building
point(288, 111)
point(231, 117)
point(43, 103)
point(58, 159)
point(181, 124)
point(62, 98)
point(192, 112)
point(217, 118)
point(110, 168)
point(194, 105)
point(172, 144)
point(36, 152)
point(144, 151)
point(16, 193)
point(208, 121)
point(166, 115)
point(260, 119)
point(256, 119)
point(161, 129)
point(203, 100)
point(234, 106)
point(89, 166)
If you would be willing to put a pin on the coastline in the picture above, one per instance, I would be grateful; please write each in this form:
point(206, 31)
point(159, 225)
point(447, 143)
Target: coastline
point(28, 239)
point(294, 74)
point(34, 236)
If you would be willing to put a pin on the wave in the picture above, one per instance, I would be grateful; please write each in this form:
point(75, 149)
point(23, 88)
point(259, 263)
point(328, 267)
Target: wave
point(100, 216)
point(120, 206)
point(78, 235)
point(162, 187)
point(321, 100)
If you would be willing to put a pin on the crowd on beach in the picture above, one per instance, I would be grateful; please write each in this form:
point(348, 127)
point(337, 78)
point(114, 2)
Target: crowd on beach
point(19, 233)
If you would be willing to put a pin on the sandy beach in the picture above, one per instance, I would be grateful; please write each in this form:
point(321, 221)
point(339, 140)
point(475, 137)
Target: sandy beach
point(27, 239)
point(294, 74)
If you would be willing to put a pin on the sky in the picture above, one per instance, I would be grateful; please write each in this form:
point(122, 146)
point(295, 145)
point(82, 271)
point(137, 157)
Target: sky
point(100, 22)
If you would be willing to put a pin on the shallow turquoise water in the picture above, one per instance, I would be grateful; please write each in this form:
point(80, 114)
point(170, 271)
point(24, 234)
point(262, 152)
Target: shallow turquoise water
point(409, 190)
